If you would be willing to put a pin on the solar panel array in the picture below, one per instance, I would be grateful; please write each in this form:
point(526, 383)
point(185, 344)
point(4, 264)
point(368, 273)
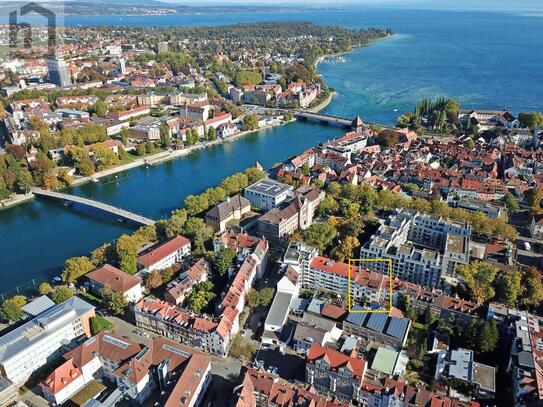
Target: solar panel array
point(89, 341)
point(397, 327)
point(376, 322)
point(176, 351)
point(142, 354)
point(115, 342)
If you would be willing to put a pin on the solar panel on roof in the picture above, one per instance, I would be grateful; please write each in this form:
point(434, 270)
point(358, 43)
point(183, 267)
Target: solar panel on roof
point(356, 318)
point(115, 342)
point(89, 341)
point(376, 322)
point(176, 350)
point(397, 327)
point(142, 353)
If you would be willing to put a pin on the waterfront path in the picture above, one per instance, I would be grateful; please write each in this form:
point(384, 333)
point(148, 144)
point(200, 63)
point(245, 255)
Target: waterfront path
point(121, 213)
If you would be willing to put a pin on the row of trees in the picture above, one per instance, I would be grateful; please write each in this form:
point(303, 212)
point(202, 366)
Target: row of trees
point(486, 282)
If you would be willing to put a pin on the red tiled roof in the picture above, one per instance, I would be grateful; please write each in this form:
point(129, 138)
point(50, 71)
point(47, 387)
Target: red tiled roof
point(112, 277)
point(61, 377)
point(337, 359)
point(162, 251)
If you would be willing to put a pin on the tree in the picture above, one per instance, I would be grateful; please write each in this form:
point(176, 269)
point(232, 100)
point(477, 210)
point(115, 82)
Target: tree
point(254, 174)
point(11, 308)
point(168, 273)
point(508, 287)
point(61, 294)
point(223, 260)
point(145, 235)
point(479, 277)
point(102, 255)
point(24, 180)
point(532, 295)
point(99, 108)
point(115, 301)
point(511, 202)
point(165, 136)
point(141, 150)
point(76, 267)
point(200, 296)
point(427, 317)
point(533, 199)
point(168, 228)
point(346, 248)
point(126, 251)
point(195, 204)
point(154, 280)
point(262, 297)
point(86, 167)
point(198, 232)
point(320, 235)
point(328, 206)
point(488, 337)
point(250, 122)
point(241, 348)
point(104, 156)
point(211, 134)
point(45, 288)
point(532, 120)
point(125, 135)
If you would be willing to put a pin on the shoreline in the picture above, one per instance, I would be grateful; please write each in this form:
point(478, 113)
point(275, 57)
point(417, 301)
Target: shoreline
point(152, 159)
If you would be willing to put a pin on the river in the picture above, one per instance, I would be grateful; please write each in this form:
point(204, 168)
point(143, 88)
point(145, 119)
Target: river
point(483, 59)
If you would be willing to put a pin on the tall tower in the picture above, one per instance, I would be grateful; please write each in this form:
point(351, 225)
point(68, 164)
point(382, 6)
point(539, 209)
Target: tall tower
point(122, 65)
point(58, 71)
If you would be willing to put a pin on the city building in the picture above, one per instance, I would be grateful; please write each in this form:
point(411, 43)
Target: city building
point(334, 374)
point(267, 193)
point(459, 364)
point(165, 254)
point(231, 209)
point(536, 227)
point(43, 338)
point(58, 71)
point(177, 289)
point(378, 327)
point(424, 249)
point(116, 280)
point(291, 215)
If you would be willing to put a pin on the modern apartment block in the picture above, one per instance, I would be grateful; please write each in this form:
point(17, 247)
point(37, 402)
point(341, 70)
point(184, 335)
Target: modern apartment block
point(424, 249)
point(42, 339)
point(267, 193)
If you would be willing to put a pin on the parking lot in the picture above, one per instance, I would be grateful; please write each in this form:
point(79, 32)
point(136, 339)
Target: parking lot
point(289, 366)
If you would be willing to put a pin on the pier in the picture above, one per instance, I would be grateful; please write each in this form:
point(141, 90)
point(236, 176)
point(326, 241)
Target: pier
point(70, 199)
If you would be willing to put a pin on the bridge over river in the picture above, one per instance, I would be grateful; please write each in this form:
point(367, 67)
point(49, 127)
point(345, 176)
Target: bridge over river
point(70, 199)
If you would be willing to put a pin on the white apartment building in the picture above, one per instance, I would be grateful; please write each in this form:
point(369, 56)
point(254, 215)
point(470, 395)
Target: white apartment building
point(424, 249)
point(37, 342)
point(267, 194)
point(165, 255)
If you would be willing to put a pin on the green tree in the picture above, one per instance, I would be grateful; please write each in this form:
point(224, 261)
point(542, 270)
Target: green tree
point(479, 276)
point(200, 296)
point(102, 255)
point(250, 122)
point(45, 288)
point(532, 294)
point(125, 135)
point(126, 251)
point(211, 134)
point(508, 287)
point(198, 232)
point(531, 120)
point(320, 235)
point(99, 108)
point(165, 136)
point(488, 337)
point(76, 267)
point(99, 324)
point(261, 297)
point(222, 260)
point(24, 182)
point(195, 204)
point(511, 202)
point(104, 156)
point(328, 206)
point(533, 199)
point(11, 308)
point(61, 294)
point(254, 174)
point(115, 301)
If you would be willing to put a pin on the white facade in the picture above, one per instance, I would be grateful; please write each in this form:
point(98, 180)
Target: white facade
point(267, 194)
point(36, 343)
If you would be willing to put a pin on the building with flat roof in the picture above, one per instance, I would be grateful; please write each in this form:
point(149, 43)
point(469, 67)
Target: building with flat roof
point(267, 193)
point(37, 342)
point(424, 249)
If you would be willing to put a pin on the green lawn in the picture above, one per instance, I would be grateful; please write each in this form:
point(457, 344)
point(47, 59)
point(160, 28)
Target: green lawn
point(99, 323)
point(86, 393)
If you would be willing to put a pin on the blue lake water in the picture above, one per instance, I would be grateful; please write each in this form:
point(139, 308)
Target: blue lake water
point(486, 60)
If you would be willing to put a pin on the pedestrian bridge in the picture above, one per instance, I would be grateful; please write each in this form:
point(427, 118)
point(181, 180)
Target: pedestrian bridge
point(324, 118)
point(70, 199)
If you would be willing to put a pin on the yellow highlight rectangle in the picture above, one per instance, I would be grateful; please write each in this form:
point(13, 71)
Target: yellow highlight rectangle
point(390, 283)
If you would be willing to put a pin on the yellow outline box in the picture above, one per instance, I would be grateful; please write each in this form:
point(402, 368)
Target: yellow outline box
point(390, 283)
